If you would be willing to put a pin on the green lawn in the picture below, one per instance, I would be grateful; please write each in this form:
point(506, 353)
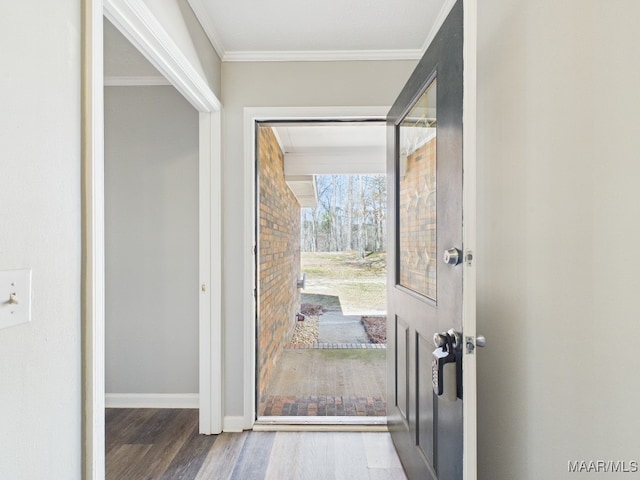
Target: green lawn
point(359, 284)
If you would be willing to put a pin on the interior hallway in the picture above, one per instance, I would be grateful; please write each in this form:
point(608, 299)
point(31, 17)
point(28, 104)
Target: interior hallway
point(165, 444)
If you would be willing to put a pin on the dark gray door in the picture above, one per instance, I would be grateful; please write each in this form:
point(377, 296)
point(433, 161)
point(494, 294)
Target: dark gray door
point(425, 291)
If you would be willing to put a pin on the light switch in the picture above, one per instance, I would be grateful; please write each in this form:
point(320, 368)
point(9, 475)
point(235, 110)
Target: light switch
point(15, 297)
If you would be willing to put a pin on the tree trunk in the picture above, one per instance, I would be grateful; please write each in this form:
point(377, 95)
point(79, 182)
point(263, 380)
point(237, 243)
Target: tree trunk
point(333, 245)
point(349, 213)
point(361, 209)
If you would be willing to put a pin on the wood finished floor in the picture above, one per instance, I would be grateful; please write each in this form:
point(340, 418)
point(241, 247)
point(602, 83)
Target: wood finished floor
point(164, 444)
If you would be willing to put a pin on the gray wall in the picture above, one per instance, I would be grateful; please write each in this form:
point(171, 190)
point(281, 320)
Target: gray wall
point(558, 222)
point(121, 58)
point(40, 396)
point(151, 202)
point(278, 84)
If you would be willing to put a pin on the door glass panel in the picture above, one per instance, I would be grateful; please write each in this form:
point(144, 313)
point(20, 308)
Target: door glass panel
point(417, 196)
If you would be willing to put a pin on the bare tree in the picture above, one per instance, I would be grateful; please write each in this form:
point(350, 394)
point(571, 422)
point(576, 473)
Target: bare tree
point(347, 206)
point(349, 226)
point(361, 217)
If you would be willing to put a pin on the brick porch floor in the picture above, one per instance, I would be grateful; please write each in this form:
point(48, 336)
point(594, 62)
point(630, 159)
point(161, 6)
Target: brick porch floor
point(322, 406)
point(365, 346)
point(310, 385)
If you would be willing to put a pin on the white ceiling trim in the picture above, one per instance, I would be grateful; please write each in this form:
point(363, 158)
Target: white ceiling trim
point(203, 17)
point(322, 55)
point(142, 81)
point(442, 16)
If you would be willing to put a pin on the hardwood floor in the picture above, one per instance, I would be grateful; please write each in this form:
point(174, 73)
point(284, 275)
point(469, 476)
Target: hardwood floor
point(154, 444)
point(164, 444)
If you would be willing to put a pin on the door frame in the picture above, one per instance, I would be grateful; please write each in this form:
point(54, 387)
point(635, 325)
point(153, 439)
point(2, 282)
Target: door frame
point(138, 24)
point(253, 115)
point(469, 236)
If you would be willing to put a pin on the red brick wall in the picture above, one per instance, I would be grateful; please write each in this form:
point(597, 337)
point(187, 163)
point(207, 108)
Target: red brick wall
point(279, 256)
point(417, 211)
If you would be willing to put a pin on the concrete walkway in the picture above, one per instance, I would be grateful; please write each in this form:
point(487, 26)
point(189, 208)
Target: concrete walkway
point(334, 327)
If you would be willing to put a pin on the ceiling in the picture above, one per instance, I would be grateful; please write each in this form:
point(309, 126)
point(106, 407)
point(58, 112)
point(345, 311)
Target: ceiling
point(253, 30)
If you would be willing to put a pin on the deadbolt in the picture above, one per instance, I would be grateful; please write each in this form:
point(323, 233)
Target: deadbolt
point(451, 335)
point(452, 256)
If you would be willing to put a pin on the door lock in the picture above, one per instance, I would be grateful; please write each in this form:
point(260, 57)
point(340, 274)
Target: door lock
point(441, 339)
point(452, 256)
point(446, 373)
point(472, 343)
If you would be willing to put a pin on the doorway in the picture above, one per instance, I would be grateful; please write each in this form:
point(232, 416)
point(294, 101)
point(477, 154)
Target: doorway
point(171, 63)
point(151, 239)
point(320, 272)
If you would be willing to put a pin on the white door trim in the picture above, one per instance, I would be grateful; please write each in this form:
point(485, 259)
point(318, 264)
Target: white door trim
point(134, 19)
point(469, 226)
point(210, 261)
point(251, 116)
point(93, 363)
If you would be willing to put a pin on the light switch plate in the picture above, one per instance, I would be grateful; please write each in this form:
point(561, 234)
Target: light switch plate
point(15, 297)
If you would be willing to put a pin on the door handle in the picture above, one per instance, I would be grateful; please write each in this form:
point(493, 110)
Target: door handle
point(452, 256)
point(441, 339)
point(446, 374)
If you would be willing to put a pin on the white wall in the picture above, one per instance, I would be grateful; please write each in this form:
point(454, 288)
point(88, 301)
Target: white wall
point(151, 208)
point(40, 395)
point(278, 84)
point(558, 222)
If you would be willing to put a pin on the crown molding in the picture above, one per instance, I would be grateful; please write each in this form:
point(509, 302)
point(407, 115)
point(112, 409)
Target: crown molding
point(202, 14)
point(322, 55)
point(141, 81)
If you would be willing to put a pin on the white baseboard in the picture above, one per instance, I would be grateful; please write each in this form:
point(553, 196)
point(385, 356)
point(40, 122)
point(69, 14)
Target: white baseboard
point(152, 400)
point(233, 424)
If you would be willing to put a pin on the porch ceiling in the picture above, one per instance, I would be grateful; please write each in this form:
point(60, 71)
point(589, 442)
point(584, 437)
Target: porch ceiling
point(357, 148)
point(328, 149)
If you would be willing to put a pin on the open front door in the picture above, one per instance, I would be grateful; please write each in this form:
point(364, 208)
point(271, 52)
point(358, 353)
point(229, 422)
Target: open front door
point(427, 345)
